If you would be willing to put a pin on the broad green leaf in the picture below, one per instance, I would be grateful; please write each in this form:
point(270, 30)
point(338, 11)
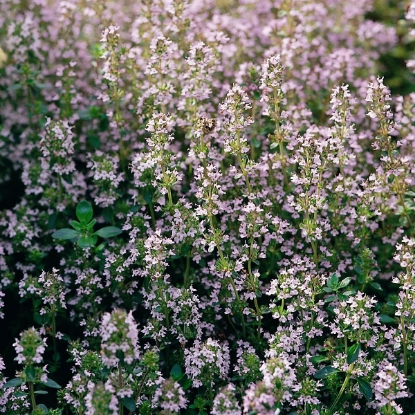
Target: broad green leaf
point(353, 353)
point(12, 383)
point(52, 384)
point(65, 233)
point(186, 383)
point(384, 318)
point(365, 388)
point(84, 211)
point(129, 403)
point(325, 372)
point(108, 232)
point(176, 372)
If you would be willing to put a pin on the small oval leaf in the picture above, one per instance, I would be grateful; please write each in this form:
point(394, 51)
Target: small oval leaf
point(84, 211)
point(176, 372)
point(108, 232)
point(12, 383)
point(325, 372)
point(333, 281)
point(384, 318)
point(353, 353)
point(318, 359)
point(76, 225)
point(30, 372)
point(344, 283)
point(52, 384)
point(65, 233)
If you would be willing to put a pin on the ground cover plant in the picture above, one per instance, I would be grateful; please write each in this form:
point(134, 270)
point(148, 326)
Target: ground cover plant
point(207, 207)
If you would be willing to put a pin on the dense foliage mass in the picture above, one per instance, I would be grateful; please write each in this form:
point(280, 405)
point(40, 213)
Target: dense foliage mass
point(206, 207)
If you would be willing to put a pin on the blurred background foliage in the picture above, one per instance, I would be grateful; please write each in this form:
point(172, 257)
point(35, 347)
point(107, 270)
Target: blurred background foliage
point(397, 76)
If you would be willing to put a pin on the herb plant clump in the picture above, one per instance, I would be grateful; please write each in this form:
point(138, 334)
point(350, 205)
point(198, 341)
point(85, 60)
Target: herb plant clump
point(206, 207)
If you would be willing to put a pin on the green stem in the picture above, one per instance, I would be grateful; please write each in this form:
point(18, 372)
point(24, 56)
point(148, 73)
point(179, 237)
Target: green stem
point(120, 385)
point(239, 302)
point(405, 211)
point(32, 395)
point(258, 312)
point(231, 323)
point(252, 277)
point(344, 386)
point(405, 346)
point(153, 217)
point(281, 308)
point(140, 388)
point(54, 333)
point(245, 174)
point(311, 325)
point(60, 190)
point(315, 252)
point(186, 281)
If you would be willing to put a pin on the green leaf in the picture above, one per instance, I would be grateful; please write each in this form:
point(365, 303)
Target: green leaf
point(349, 293)
point(30, 372)
point(12, 383)
point(52, 384)
point(76, 225)
point(256, 143)
point(186, 383)
point(384, 318)
point(365, 388)
point(176, 372)
point(86, 241)
point(84, 211)
point(44, 408)
point(333, 281)
point(330, 298)
point(273, 145)
point(65, 233)
point(344, 283)
point(90, 225)
point(108, 232)
point(19, 394)
point(318, 359)
point(148, 195)
point(376, 286)
point(353, 353)
point(361, 278)
point(325, 372)
point(41, 392)
point(129, 403)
